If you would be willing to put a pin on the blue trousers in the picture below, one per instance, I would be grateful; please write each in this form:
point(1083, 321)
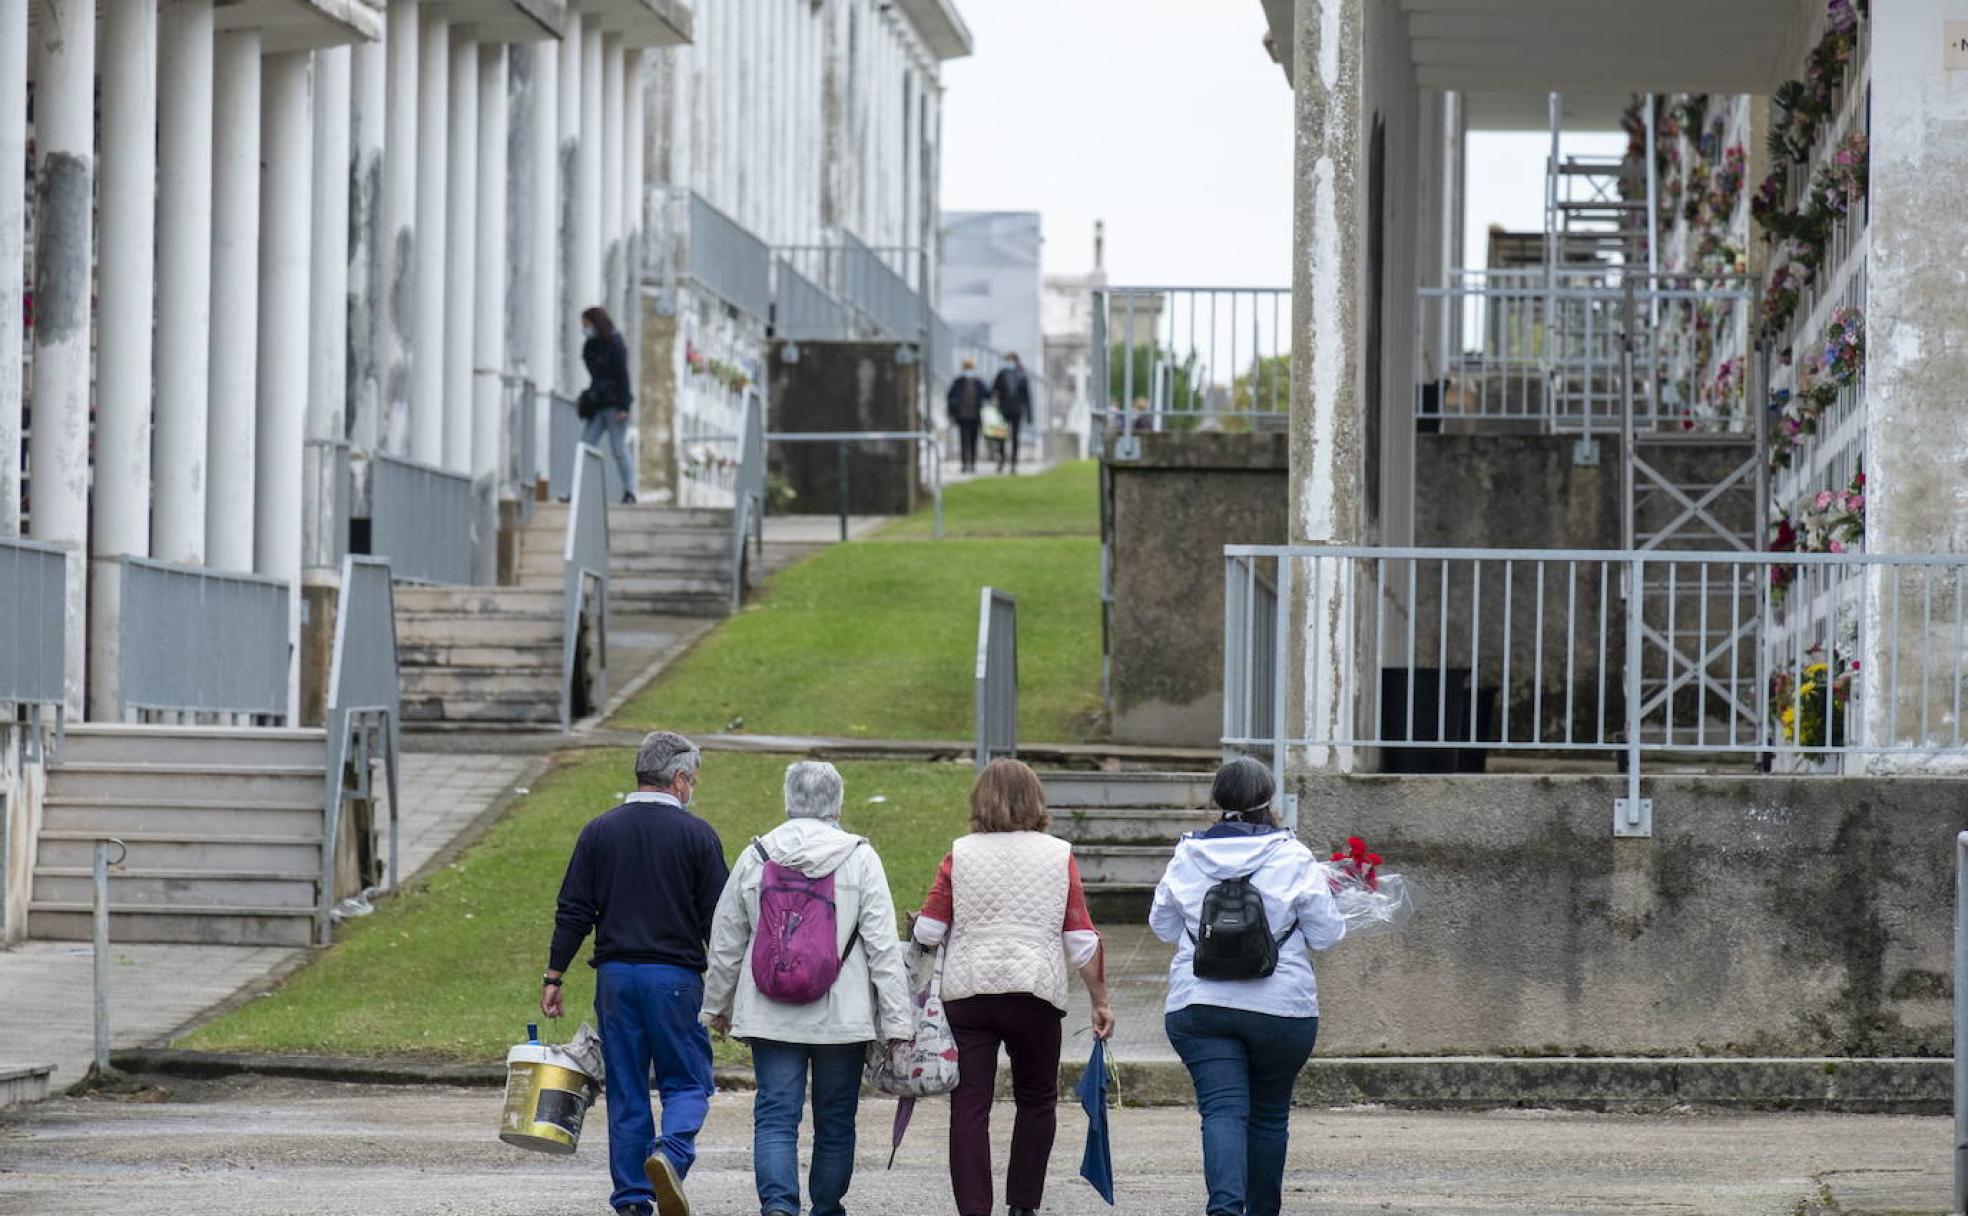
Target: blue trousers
point(782, 1070)
point(613, 425)
point(1243, 1065)
point(648, 1015)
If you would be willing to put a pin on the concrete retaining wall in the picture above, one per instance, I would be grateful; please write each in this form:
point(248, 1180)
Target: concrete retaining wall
point(1768, 916)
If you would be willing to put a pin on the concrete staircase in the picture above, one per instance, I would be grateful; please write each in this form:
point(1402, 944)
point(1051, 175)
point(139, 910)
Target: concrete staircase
point(1124, 827)
point(663, 561)
point(224, 828)
point(481, 658)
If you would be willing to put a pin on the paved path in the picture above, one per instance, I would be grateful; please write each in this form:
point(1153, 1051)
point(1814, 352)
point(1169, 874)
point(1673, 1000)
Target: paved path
point(273, 1148)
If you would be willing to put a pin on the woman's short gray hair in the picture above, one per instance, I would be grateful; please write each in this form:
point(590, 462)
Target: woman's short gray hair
point(813, 790)
point(663, 755)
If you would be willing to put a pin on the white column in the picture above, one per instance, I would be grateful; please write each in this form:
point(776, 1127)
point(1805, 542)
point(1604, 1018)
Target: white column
point(184, 279)
point(427, 296)
point(235, 328)
point(587, 194)
point(64, 171)
point(633, 184)
point(489, 300)
point(543, 251)
point(567, 215)
point(613, 154)
point(328, 280)
point(286, 217)
point(461, 255)
point(126, 203)
point(13, 252)
point(397, 327)
point(368, 295)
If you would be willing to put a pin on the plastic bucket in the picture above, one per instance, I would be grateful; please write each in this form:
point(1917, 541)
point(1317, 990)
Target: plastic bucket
point(546, 1102)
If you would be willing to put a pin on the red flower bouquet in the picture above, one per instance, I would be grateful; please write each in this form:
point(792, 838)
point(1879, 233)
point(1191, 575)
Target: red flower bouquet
point(1368, 900)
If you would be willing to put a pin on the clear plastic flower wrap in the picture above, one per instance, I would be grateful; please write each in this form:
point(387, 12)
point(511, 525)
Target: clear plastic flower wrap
point(1369, 901)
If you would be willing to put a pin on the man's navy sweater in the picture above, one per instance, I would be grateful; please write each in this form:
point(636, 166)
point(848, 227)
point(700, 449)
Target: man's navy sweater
point(645, 878)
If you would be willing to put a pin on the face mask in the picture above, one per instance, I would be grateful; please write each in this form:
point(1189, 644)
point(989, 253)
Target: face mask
point(589, 330)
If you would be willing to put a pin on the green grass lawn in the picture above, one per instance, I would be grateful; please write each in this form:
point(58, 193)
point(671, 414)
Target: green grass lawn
point(878, 638)
point(449, 968)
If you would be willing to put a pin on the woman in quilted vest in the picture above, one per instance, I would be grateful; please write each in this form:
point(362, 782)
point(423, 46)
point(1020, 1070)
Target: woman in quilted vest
point(1008, 909)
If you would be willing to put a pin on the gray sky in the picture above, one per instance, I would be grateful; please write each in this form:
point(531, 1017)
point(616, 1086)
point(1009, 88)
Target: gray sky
point(1167, 119)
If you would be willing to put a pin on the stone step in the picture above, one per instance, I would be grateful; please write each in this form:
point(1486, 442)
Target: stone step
point(1119, 903)
point(478, 629)
point(638, 585)
point(479, 656)
point(494, 712)
point(708, 541)
point(679, 603)
point(130, 744)
point(496, 682)
point(1123, 864)
point(23, 1083)
point(164, 889)
point(293, 818)
point(208, 926)
point(501, 601)
point(539, 570)
point(1172, 790)
point(218, 852)
point(280, 783)
point(642, 517)
point(1126, 825)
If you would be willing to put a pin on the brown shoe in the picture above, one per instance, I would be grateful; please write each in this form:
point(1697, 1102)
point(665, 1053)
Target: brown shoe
point(668, 1186)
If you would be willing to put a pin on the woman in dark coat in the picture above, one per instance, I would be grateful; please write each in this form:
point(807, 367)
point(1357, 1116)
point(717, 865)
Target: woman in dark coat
point(604, 404)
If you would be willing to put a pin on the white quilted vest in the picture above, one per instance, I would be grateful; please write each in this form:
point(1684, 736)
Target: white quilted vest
point(1009, 891)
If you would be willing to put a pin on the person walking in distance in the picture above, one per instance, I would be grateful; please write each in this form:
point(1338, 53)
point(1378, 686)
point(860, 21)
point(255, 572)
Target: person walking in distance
point(604, 404)
point(645, 880)
point(806, 968)
point(1012, 390)
point(1009, 912)
point(965, 403)
point(1244, 903)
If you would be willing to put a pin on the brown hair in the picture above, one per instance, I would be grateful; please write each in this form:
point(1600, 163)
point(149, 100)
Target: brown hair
point(599, 318)
point(1008, 798)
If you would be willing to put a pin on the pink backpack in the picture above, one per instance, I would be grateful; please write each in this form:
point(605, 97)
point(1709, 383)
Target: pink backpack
point(793, 959)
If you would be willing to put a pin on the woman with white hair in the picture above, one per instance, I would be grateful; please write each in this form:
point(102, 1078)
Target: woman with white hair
point(805, 967)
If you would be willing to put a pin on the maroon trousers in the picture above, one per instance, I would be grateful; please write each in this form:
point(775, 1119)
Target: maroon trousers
point(1029, 1028)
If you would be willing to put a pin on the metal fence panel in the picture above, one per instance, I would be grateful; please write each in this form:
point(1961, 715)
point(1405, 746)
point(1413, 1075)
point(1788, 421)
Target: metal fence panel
point(727, 260)
point(748, 493)
point(1184, 358)
point(202, 641)
point(365, 712)
point(586, 555)
point(420, 518)
point(997, 675)
point(869, 284)
point(804, 311)
point(33, 604)
point(326, 484)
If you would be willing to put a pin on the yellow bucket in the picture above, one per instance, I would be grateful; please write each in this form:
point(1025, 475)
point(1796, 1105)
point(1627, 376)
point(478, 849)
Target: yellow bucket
point(545, 1102)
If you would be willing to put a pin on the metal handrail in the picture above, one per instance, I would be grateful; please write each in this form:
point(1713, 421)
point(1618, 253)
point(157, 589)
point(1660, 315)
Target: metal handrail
point(364, 716)
point(996, 710)
point(748, 493)
point(1212, 353)
point(421, 518)
point(34, 605)
point(586, 557)
point(726, 259)
point(197, 640)
point(926, 440)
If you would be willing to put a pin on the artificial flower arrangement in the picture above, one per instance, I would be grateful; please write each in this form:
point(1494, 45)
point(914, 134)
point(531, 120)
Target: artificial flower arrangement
point(1841, 184)
point(1813, 706)
point(730, 375)
point(1726, 184)
point(1368, 900)
point(1790, 274)
point(1696, 197)
point(1725, 391)
point(1833, 521)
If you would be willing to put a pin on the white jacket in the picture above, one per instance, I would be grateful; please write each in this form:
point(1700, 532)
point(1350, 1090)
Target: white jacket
point(1293, 885)
point(870, 999)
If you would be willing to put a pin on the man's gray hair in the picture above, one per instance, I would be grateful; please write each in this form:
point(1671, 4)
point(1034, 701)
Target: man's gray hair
point(813, 791)
point(663, 755)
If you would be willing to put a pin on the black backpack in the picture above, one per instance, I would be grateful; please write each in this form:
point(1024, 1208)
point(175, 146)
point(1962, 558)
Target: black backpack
point(1236, 942)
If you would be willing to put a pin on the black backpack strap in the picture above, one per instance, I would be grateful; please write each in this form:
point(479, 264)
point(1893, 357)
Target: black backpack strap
point(1286, 935)
point(758, 846)
point(854, 937)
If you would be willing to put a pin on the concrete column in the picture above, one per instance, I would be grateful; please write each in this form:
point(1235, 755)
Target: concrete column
point(368, 295)
point(427, 297)
point(588, 285)
point(461, 255)
point(126, 203)
point(64, 184)
point(184, 280)
point(286, 217)
point(614, 152)
point(567, 215)
point(1916, 445)
point(235, 328)
point(542, 250)
point(1327, 482)
point(397, 327)
point(328, 280)
point(13, 251)
point(489, 300)
point(633, 185)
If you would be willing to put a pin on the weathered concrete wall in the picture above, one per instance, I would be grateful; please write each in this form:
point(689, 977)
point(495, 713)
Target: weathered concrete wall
point(1174, 510)
point(656, 400)
point(22, 786)
point(1767, 916)
point(845, 386)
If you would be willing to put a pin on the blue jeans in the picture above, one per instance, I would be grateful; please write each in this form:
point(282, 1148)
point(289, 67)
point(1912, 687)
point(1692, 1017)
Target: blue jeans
point(614, 424)
point(781, 1069)
point(648, 1015)
point(1243, 1065)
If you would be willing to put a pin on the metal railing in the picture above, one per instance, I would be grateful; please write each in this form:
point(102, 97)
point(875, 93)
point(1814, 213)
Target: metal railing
point(882, 294)
point(1180, 358)
point(199, 641)
point(748, 493)
point(586, 557)
point(726, 259)
point(421, 518)
point(327, 491)
point(34, 605)
point(927, 443)
point(996, 714)
point(1794, 662)
point(805, 311)
point(365, 715)
point(564, 431)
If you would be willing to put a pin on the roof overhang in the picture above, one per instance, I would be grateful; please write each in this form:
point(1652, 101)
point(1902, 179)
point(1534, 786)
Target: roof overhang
point(302, 25)
point(509, 20)
point(1279, 16)
point(641, 23)
point(940, 26)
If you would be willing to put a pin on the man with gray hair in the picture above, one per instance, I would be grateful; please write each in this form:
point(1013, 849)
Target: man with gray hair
point(805, 966)
point(645, 879)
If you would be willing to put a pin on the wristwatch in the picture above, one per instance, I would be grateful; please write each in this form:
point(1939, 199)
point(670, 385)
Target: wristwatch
point(549, 981)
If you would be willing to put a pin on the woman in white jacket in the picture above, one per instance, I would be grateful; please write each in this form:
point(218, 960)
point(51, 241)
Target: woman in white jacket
point(1244, 1040)
point(829, 1036)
